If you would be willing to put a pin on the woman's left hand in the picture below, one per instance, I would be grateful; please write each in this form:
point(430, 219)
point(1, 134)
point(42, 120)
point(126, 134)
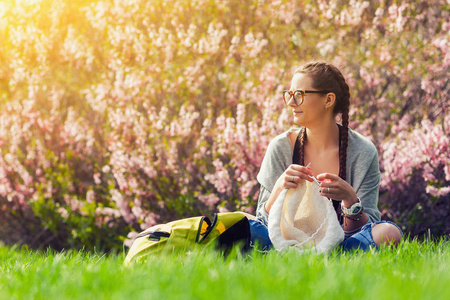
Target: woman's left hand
point(334, 187)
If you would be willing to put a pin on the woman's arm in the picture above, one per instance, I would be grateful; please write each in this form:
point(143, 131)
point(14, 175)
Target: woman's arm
point(363, 173)
point(352, 223)
point(334, 187)
point(275, 169)
point(277, 159)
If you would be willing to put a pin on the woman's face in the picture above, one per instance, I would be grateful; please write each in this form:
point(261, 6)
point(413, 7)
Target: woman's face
point(312, 110)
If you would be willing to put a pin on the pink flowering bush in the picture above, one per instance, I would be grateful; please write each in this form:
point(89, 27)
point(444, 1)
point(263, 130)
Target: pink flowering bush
point(416, 177)
point(117, 115)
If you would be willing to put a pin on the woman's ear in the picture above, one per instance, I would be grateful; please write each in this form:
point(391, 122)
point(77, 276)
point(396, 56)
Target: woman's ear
point(330, 100)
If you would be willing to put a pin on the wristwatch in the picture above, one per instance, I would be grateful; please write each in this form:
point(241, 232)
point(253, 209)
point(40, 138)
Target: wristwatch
point(355, 209)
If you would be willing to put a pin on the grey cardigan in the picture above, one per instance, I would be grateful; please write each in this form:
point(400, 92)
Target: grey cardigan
point(363, 172)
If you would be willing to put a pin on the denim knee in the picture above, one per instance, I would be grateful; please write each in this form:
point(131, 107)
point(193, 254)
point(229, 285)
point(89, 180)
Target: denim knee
point(363, 239)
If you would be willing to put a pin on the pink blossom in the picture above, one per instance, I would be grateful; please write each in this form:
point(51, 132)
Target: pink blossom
point(131, 237)
point(97, 178)
point(90, 196)
point(437, 192)
point(106, 169)
point(223, 209)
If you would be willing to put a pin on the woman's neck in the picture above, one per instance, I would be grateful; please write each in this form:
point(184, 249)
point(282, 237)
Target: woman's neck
point(323, 137)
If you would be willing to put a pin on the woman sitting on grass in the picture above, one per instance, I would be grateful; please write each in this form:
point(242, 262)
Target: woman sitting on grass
point(345, 162)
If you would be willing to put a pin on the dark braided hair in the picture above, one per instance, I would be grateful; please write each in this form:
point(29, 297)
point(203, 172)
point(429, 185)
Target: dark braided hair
point(327, 77)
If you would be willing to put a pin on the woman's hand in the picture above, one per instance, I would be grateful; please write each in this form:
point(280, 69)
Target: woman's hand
point(288, 180)
point(334, 187)
point(293, 175)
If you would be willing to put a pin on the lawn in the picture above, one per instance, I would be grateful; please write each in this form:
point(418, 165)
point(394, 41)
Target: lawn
point(414, 270)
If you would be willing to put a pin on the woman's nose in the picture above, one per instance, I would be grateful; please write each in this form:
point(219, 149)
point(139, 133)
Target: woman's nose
point(291, 102)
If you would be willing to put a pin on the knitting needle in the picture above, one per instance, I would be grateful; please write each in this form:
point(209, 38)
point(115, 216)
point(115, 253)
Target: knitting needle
point(312, 177)
point(316, 180)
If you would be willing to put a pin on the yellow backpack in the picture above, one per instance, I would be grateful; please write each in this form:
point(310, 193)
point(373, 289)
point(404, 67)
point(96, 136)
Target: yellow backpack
point(226, 230)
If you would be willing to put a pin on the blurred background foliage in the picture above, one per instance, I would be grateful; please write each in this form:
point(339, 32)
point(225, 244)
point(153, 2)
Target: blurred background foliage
point(117, 115)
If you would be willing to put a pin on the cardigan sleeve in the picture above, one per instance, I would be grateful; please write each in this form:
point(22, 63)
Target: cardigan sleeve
point(368, 190)
point(363, 173)
point(277, 159)
point(261, 212)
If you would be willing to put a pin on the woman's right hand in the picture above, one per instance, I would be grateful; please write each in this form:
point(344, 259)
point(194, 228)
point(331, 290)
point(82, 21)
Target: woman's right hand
point(293, 175)
point(288, 180)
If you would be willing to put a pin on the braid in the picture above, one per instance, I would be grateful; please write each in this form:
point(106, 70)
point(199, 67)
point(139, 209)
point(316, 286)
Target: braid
point(344, 145)
point(302, 145)
point(343, 107)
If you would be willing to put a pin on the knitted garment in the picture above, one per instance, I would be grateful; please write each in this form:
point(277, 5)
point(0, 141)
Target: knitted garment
point(303, 219)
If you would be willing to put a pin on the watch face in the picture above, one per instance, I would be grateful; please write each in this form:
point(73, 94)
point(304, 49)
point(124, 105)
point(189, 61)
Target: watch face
point(356, 209)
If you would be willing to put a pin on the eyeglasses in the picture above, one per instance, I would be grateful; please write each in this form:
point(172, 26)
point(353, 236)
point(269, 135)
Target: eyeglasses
point(299, 96)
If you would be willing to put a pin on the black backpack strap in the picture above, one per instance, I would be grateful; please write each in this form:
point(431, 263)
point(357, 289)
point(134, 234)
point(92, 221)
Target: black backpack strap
point(155, 235)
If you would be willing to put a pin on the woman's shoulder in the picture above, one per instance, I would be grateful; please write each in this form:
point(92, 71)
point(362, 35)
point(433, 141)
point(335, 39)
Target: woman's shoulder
point(360, 143)
point(284, 139)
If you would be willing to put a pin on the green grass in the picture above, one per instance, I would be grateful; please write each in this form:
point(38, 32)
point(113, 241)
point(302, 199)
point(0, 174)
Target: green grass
point(412, 271)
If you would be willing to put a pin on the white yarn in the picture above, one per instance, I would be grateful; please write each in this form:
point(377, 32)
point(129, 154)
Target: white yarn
point(303, 219)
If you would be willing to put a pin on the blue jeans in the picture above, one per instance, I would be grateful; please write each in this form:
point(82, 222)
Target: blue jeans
point(362, 239)
point(259, 236)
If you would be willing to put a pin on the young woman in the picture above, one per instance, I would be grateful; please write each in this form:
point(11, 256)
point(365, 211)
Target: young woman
point(343, 160)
